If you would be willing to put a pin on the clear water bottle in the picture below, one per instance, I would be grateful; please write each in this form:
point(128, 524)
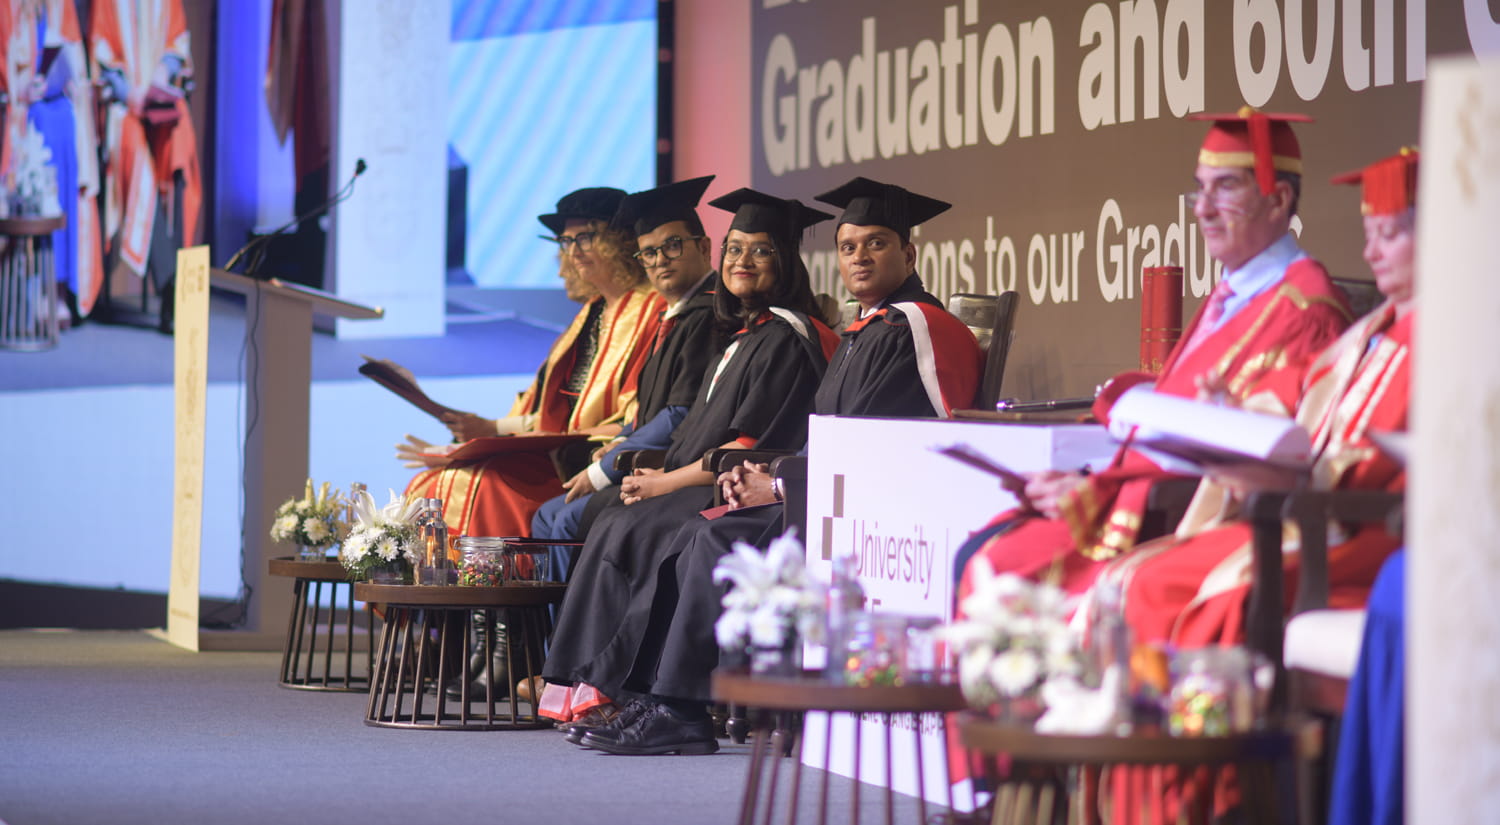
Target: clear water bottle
point(1110, 645)
point(434, 567)
point(845, 601)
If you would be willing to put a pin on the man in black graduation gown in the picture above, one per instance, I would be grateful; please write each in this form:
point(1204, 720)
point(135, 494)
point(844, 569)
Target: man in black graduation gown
point(677, 256)
point(904, 357)
point(759, 394)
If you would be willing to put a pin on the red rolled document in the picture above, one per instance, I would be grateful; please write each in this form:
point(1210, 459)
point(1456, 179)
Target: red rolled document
point(1161, 314)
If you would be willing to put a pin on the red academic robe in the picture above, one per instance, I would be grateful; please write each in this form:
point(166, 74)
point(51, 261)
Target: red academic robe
point(498, 496)
point(141, 156)
point(1192, 591)
point(1286, 323)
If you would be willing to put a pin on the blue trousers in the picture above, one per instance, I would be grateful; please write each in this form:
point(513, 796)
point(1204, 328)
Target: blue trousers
point(1369, 776)
point(559, 519)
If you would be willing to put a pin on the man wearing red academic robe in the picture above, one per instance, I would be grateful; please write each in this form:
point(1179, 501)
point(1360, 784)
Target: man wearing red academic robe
point(1273, 306)
point(1191, 590)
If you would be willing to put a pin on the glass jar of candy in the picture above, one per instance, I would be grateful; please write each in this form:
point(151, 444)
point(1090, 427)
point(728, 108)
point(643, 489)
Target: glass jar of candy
point(485, 561)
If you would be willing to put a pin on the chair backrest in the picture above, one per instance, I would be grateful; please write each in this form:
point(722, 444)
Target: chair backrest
point(977, 312)
point(832, 314)
point(848, 313)
point(1361, 294)
point(1001, 336)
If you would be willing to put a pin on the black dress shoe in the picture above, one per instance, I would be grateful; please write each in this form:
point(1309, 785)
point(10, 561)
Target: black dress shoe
point(627, 716)
point(657, 731)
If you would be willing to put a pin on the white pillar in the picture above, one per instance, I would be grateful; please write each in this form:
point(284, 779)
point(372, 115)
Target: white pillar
point(392, 98)
point(1453, 670)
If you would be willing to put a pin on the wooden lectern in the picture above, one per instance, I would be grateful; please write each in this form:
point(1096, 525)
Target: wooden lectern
point(278, 331)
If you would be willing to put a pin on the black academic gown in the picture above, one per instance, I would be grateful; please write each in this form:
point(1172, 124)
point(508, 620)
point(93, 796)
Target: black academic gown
point(873, 373)
point(764, 390)
point(671, 376)
point(673, 372)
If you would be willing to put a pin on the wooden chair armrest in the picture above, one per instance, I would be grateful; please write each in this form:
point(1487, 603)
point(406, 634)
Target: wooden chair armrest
point(1312, 510)
point(792, 471)
point(1264, 629)
point(1166, 503)
point(722, 459)
point(628, 461)
point(790, 468)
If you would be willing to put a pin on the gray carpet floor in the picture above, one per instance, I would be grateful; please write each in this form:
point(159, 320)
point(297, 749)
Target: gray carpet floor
point(118, 727)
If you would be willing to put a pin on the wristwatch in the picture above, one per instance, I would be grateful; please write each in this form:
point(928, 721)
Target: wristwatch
point(778, 488)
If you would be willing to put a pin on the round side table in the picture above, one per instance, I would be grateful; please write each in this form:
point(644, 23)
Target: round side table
point(1031, 791)
point(309, 634)
point(28, 284)
point(928, 704)
point(427, 629)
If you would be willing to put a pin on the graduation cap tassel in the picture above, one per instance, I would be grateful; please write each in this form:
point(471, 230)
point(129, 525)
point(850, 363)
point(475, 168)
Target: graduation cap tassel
point(1260, 140)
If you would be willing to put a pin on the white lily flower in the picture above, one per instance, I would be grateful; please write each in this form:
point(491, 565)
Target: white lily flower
point(732, 628)
point(1015, 671)
point(767, 626)
point(974, 676)
point(769, 594)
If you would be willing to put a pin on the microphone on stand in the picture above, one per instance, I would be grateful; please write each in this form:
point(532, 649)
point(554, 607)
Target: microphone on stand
point(258, 245)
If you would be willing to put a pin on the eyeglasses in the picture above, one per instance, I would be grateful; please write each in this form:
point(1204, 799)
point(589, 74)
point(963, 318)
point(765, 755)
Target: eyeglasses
point(670, 250)
point(1220, 193)
point(759, 252)
point(584, 240)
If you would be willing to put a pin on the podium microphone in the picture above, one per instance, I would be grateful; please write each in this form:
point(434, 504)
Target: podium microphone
point(257, 244)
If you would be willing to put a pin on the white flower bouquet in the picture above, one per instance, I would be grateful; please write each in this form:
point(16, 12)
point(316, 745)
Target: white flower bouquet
point(312, 521)
point(1015, 640)
point(381, 536)
point(770, 598)
point(33, 177)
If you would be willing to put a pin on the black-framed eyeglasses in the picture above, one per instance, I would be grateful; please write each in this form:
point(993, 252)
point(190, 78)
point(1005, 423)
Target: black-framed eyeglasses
point(670, 250)
point(758, 252)
point(584, 240)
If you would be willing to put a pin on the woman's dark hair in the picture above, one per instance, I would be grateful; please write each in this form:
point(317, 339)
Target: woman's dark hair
point(791, 290)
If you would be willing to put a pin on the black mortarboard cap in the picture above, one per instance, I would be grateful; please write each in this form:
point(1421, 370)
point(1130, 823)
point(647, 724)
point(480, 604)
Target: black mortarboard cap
point(758, 212)
point(784, 220)
point(641, 212)
point(595, 203)
point(871, 203)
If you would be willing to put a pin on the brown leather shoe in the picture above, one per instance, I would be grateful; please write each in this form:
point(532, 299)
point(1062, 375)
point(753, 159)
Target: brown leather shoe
point(530, 690)
point(594, 717)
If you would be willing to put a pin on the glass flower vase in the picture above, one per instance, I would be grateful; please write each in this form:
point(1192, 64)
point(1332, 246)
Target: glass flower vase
point(1024, 709)
point(783, 660)
point(308, 553)
point(390, 572)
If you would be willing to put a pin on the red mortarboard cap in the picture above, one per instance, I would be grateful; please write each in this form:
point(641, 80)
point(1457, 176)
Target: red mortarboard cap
point(1389, 184)
point(1253, 139)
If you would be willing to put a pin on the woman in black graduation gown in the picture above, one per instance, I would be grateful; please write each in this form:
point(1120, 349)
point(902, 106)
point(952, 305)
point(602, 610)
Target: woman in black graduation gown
point(757, 395)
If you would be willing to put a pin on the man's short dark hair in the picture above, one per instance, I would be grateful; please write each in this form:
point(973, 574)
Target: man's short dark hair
point(1293, 180)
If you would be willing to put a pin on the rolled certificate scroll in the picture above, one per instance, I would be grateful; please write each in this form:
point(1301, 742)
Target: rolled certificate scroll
point(1161, 314)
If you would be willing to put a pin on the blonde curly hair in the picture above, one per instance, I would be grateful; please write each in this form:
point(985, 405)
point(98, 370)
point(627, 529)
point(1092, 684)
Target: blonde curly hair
point(616, 248)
